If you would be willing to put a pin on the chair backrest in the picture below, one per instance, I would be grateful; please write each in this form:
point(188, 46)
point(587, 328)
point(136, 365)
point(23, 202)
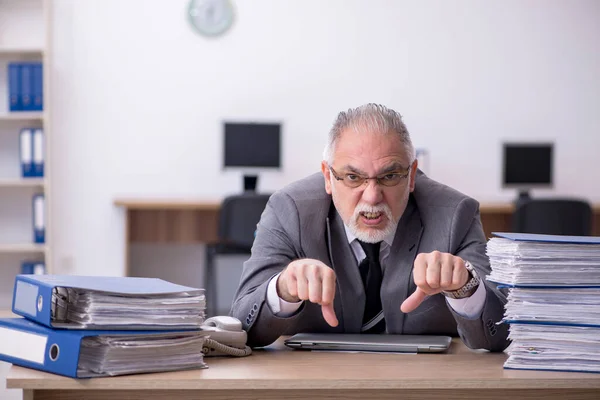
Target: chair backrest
point(554, 217)
point(239, 216)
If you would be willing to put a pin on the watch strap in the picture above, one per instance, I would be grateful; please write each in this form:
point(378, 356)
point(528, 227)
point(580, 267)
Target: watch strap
point(468, 288)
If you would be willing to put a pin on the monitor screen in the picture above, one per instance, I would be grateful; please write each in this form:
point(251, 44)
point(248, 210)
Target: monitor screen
point(528, 165)
point(252, 145)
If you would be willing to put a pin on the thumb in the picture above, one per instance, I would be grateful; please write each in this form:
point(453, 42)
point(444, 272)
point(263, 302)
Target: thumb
point(413, 301)
point(329, 314)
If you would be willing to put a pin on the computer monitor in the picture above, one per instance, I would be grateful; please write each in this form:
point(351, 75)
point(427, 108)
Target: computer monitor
point(252, 147)
point(527, 166)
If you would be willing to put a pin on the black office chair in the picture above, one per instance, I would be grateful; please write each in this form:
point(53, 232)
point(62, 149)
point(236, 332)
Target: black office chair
point(553, 217)
point(238, 218)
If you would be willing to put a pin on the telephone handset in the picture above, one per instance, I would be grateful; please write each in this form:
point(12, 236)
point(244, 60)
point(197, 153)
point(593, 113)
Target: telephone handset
point(226, 337)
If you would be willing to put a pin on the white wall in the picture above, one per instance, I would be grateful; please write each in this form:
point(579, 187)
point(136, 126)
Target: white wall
point(139, 97)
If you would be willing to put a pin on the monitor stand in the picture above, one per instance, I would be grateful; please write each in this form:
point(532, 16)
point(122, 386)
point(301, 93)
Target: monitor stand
point(250, 182)
point(524, 197)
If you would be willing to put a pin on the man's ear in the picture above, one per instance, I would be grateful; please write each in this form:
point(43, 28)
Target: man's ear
point(413, 174)
point(327, 175)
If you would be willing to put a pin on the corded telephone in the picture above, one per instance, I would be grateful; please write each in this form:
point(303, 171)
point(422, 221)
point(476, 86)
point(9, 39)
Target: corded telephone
point(226, 337)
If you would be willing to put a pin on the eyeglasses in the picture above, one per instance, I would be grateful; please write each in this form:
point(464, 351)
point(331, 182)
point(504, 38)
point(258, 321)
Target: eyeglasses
point(388, 179)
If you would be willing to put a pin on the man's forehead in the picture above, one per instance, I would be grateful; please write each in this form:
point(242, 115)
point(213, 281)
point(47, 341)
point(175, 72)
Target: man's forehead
point(382, 150)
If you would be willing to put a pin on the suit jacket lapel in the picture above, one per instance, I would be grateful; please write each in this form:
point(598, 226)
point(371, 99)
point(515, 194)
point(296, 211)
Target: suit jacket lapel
point(397, 277)
point(350, 297)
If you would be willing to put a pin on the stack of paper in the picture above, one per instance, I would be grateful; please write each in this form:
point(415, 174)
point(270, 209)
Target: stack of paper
point(553, 304)
point(85, 353)
point(112, 354)
point(86, 302)
point(83, 326)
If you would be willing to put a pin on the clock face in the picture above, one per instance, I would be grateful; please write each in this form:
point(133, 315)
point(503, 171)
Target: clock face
point(211, 17)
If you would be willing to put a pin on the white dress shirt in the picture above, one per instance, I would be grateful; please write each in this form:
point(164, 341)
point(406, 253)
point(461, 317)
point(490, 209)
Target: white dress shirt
point(469, 307)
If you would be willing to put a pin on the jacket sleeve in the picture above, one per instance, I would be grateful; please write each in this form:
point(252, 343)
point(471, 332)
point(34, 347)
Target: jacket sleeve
point(275, 246)
point(468, 239)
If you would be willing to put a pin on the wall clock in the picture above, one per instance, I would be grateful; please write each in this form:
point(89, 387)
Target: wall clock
point(210, 17)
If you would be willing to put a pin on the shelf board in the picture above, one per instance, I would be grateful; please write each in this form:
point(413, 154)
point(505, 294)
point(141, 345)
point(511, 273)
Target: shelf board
point(22, 116)
point(22, 182)
point(25, 50)
point(22, 248)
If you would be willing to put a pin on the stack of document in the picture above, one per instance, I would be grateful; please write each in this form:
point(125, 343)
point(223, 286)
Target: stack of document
point(87, 302)
point(90, 353)
point(553, 302)
point(103, 326)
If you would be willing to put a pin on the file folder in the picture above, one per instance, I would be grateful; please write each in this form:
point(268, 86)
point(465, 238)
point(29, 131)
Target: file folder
point(33, 267)
point(26, 152)
point(14, 87)
point(89, 353)
point(26, 87)
point(38, 152)
point(39, 219)
point(38, 86)
point(100, 302)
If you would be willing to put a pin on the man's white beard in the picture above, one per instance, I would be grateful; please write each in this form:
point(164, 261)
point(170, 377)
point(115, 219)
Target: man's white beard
point(372, 235)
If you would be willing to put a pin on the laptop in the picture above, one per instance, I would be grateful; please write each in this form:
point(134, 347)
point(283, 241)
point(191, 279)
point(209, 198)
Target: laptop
point(369, 342)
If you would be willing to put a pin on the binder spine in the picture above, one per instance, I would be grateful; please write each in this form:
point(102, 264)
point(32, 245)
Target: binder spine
point(38, 86)
point(14, 87)
point(38, 153)
point(24, 346)
point(26, 152)
point(39, 221)
point(32, 300)
point(26, 86)
point(30, 345)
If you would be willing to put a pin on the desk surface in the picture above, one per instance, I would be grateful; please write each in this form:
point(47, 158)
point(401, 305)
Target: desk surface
point(282, 369)
point(169, 204)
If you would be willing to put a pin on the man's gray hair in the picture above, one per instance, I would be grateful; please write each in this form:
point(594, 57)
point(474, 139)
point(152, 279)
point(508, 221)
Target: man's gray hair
point(369, 118)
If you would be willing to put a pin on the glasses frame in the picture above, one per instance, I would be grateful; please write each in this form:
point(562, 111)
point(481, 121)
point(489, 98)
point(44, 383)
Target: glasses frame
point(378, 179)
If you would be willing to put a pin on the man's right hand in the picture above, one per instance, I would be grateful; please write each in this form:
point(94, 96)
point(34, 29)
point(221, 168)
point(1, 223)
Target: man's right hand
point(309, 279)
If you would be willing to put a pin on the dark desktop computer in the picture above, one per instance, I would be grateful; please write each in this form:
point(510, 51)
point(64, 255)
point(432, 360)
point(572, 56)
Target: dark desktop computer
point(527, 166)
point(252, 147)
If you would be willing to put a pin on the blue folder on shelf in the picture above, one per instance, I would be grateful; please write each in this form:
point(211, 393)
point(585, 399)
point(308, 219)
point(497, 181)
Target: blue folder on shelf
point(38, 153)
point(33, 267)
point(14, 87)
point(37, 86)
point(26, 153)
point(27, 86)
point(39, 218)
point(103, 302)
point(90, 353)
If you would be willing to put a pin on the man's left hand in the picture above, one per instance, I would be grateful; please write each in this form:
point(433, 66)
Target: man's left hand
point(433, 273)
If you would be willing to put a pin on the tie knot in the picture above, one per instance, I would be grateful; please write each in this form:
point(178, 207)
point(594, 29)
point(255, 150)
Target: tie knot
point(371, 250)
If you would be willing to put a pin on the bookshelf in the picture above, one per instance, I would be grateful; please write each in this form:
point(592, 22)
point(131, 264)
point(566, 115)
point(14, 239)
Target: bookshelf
point(18, 182)
point(24, 37)
point(22, 116)
point(20, 50)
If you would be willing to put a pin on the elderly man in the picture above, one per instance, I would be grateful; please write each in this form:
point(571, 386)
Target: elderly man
point(370, 245)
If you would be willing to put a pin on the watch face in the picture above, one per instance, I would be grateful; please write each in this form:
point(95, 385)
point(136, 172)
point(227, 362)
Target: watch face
point(211, 17)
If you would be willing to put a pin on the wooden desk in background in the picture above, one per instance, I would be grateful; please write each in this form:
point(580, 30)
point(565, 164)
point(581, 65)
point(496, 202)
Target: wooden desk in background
point(196, 221)
point(169, 221)
point(277, 373)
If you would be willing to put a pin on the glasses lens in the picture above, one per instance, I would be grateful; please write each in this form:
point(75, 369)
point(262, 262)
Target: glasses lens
point(391, 179)
point(353, 181)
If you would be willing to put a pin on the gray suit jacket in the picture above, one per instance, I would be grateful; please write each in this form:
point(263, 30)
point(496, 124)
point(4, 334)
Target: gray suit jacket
point(300, 221)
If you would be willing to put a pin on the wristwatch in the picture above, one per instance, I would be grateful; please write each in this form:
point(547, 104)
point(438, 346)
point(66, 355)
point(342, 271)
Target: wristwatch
point(469, 288)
